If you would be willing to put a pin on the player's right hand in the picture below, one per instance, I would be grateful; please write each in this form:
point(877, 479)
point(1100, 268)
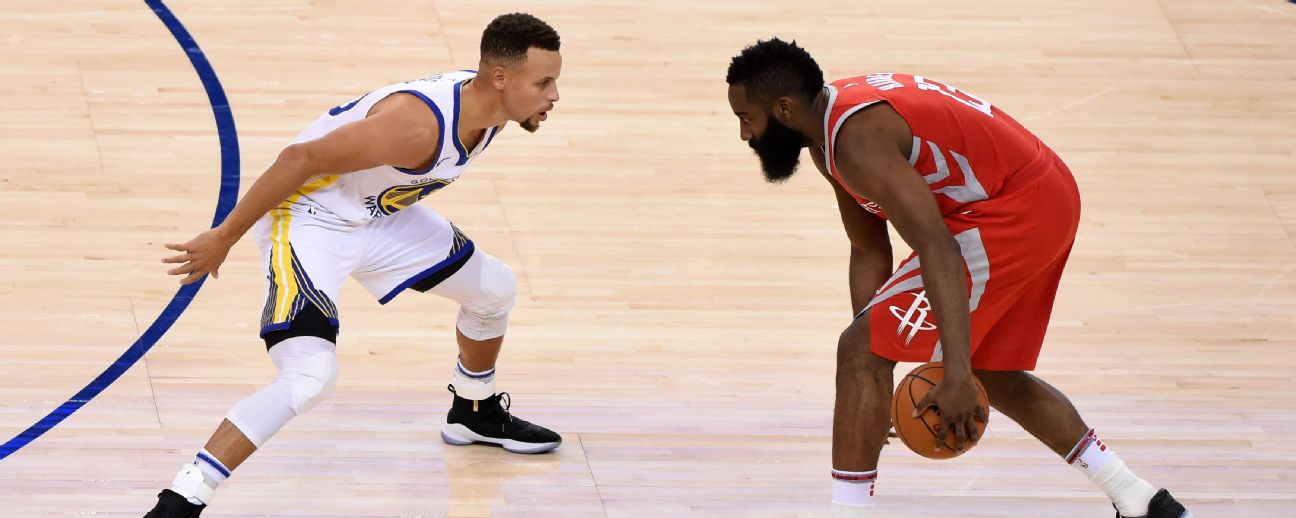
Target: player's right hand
point(200, 256)
point(955, 401)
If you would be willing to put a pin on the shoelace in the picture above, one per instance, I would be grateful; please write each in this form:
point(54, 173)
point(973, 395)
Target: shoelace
point(506, 401)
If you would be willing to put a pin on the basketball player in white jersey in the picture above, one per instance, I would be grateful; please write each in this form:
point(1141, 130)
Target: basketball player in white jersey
point(340, 201)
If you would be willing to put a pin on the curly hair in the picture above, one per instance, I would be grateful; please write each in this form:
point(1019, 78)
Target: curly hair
point(773, 68)
point(508, 37)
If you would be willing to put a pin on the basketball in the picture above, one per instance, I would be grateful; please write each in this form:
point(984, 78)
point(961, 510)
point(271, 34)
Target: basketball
point(919, 433)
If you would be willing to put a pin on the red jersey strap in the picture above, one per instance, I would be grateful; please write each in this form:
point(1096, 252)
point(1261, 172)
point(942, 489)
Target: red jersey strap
point(833, 120)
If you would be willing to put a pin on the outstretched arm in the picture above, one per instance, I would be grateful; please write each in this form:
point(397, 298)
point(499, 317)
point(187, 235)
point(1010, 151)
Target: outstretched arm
point(400, 130)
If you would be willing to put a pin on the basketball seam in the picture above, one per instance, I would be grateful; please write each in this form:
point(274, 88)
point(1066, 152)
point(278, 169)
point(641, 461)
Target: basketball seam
point(914, 402)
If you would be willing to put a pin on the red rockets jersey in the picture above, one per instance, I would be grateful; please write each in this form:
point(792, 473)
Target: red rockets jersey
point(966, 149)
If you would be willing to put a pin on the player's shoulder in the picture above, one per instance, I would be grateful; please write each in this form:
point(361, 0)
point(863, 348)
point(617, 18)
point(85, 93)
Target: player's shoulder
point(422, 98)
point(850, 94)
point(875, 131)
point(858, 100)
point(874, 123)
point(406, 113)
point(435, 92)
point(874, 81)
point(443, 79)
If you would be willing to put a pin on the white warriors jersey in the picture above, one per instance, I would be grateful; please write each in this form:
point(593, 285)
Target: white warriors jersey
point(359, 197)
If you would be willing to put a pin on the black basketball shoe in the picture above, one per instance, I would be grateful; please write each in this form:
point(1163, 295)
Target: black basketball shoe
point(489, 421)
point(172, 505)
point(1162, 506)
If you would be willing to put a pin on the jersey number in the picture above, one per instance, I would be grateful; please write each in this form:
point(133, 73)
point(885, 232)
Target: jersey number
point(344, 107)
point(967, 99)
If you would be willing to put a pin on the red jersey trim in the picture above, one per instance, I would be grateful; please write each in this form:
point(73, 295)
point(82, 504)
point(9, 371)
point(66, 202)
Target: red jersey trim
point(831, 128)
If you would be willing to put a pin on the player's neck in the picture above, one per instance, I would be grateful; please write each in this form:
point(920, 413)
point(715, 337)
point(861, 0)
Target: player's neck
point(815, 123)
point(807, 119)
point(479, 107)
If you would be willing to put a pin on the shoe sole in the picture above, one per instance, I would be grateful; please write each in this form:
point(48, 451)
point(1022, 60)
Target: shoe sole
point(1185, 514)
point(460, 435)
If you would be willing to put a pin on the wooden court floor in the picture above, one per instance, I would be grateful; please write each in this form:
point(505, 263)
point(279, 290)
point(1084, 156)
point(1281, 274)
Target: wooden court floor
point(677, 317)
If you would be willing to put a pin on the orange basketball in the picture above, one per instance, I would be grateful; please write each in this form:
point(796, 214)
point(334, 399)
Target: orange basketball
point(919, 433)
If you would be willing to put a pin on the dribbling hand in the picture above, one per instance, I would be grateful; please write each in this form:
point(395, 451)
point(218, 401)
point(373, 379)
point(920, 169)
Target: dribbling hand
point(955, 401)
point(200, 256)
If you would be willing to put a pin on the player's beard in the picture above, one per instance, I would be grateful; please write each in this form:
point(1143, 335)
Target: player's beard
point(531, 125)
point(779, 150)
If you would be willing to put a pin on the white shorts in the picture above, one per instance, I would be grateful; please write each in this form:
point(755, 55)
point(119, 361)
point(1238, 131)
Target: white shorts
point(307, 258)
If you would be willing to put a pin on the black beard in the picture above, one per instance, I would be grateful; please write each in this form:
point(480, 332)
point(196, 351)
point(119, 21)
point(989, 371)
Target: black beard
point(779, 150)
point(531, 127)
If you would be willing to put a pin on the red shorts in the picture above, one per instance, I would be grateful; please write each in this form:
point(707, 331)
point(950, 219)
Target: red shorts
point(1015, 246)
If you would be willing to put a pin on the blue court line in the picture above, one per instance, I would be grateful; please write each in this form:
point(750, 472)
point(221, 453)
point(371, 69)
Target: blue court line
point(229, 182)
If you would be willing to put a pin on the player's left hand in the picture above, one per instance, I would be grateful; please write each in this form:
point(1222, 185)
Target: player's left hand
point(954, 399)
point(201, 255)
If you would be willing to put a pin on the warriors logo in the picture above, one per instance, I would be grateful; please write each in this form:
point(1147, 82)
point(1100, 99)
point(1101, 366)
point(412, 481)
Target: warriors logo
point(402, 196)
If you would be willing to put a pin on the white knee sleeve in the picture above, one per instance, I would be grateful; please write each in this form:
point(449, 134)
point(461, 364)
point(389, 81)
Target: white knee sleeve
point(307, 373)
point(484, 315)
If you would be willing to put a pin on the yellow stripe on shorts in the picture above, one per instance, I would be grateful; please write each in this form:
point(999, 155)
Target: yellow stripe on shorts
point(287, 289)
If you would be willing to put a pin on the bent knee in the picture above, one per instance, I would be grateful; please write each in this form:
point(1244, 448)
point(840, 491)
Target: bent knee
point(309, 387)
point(853, 353)
point(855, 336)
point(485, 315)
point(497, 292)
point(308, 369)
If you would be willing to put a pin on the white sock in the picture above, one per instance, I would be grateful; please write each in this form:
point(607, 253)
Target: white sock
point(473, 385)
point(852, 493)
point(214, 472)
point(198, 480)
point(1129, 493)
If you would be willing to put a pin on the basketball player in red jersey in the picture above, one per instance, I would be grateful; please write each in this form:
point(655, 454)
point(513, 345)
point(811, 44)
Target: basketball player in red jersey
point(991, 214)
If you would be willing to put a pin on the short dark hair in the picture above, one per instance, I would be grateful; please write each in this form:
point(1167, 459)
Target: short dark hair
point(509, 36)
point(773, 68)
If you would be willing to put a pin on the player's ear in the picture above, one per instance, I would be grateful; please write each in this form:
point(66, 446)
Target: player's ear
point(497, 75)
point(784, 109)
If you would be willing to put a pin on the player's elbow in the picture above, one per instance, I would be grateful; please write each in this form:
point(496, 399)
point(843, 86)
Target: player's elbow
point(877, 254)
point(296, 160)
point(872, 263)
